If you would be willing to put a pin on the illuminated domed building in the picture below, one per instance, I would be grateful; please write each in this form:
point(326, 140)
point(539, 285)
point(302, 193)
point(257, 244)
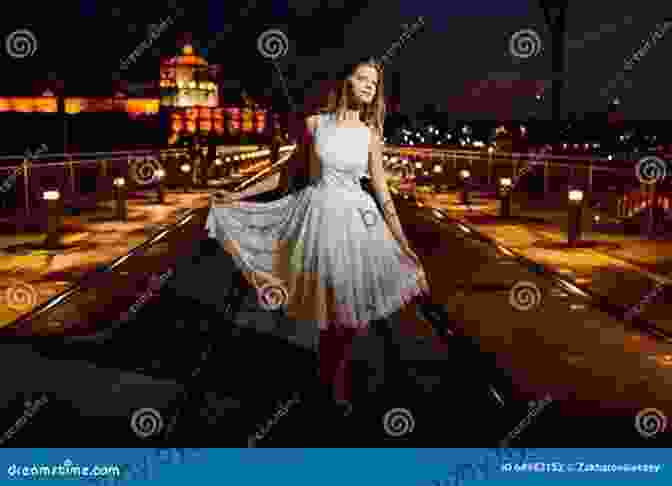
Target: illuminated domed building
point(189, 91)
point(185, 102)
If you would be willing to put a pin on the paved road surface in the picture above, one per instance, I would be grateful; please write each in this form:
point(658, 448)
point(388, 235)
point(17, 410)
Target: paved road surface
point(239, 363)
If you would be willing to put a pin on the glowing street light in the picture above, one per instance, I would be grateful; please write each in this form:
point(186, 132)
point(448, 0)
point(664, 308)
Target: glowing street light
point(505, 186)
point(464, 176)
point(120, 193)
point(575, 197)
point(51, 195)
point(186, 168)
point(160, 176)
point(54, 218)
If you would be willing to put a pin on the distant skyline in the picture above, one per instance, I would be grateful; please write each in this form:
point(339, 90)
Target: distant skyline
point(461, 62)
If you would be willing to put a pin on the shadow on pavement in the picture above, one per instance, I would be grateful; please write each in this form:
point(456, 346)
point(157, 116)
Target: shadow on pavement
point(216, 369)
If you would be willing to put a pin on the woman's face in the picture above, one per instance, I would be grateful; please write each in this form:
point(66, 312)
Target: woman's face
point(364, 82)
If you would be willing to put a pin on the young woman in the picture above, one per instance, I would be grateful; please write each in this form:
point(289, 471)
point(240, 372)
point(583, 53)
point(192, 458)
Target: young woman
point(325, 252)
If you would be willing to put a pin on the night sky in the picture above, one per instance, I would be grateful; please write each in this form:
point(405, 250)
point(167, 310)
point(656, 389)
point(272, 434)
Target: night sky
point(461, 62)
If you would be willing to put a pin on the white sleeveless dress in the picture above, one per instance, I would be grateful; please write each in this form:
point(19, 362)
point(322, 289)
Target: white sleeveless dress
point(330, 246)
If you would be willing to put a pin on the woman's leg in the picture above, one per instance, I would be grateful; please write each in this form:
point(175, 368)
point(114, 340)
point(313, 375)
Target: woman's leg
point(336, 361)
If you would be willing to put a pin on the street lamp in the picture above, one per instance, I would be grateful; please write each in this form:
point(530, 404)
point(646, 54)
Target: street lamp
point(119, 190)
point(464, 176)
point(160, 176)
point(575, 210)
point(218, 168)
point(236, 164)
point(186, 168)
point(505, 191)
point(227, 168)
point(54, 217)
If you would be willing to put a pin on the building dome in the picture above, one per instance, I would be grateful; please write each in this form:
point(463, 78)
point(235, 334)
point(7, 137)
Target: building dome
point(188, 58)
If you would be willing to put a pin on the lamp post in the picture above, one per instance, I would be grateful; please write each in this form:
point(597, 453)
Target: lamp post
point(218, 170)
point(196, 164)
point(186, 168)
point(505, 192)
point(575, 210)
point(464, 177)
point(160, 176)
point(236, 165)
point(54, 217)
point(120, 196)
point(227, 169)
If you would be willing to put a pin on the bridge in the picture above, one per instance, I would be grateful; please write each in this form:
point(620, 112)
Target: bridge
point(608, 183)
point(204, 312)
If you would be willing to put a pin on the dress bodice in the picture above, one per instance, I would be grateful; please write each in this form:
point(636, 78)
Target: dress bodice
point(343, 152)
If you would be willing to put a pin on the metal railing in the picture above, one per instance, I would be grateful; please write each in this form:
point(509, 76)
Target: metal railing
point(269, 171)
point(612, 184)
point(609, 184)
point(29, 178)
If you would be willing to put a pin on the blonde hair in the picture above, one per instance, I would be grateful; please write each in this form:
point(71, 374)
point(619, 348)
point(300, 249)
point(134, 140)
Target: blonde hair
point(302, 168)
point(340, 97)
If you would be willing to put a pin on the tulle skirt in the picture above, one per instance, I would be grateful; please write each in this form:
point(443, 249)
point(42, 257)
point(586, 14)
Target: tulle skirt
point(335, 260)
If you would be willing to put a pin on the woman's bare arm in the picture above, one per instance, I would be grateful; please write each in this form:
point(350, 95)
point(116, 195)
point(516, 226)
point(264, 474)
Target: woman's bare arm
point(300, 161)
point(382, 191)
point(297, 163)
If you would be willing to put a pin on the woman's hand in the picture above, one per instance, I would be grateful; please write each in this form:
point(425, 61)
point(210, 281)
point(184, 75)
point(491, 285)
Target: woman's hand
point(422, 276)
point(223, 198)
